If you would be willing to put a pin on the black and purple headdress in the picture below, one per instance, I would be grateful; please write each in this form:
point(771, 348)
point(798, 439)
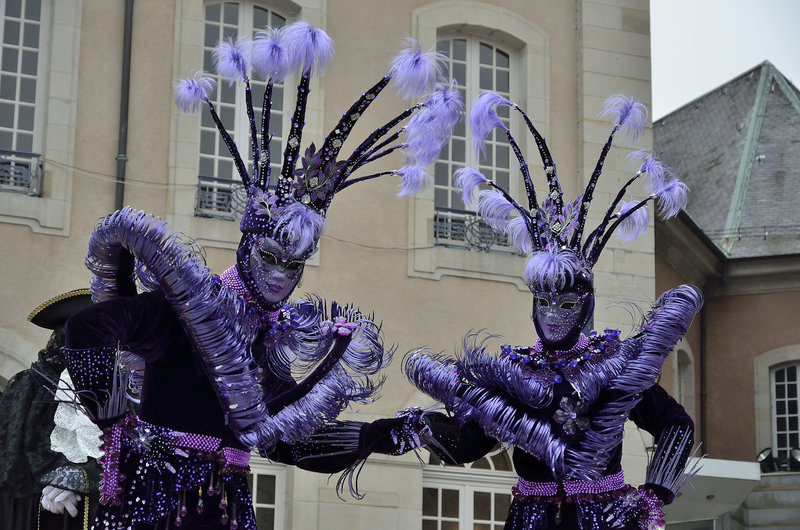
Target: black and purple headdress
point(296, 207)
point(552, 233)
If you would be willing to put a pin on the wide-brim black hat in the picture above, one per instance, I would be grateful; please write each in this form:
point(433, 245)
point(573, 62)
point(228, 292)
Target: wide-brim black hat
point(58, 309)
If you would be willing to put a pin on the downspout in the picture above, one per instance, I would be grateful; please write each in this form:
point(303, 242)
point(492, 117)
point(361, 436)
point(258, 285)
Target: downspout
point(709, 290)
point(122, 143)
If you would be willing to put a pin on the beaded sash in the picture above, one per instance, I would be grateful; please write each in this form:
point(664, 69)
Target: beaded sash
point(571, 487)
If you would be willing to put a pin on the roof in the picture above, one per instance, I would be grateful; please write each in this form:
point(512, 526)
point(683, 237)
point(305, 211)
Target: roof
point(738, 149)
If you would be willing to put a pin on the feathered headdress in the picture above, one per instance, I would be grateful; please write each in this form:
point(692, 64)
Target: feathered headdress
point(301, 48)
point(553, 231)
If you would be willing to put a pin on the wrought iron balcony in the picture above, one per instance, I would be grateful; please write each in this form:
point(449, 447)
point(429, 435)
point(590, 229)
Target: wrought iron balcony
point(20, 172)
point(464, 229)
point(219, 198)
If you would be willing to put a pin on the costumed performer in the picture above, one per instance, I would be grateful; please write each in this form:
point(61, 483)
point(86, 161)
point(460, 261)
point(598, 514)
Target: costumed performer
point(563, 402)
point(28, 460)
point(222, 353)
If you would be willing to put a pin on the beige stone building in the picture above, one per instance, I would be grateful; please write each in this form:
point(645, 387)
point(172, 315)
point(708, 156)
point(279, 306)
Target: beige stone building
point(422, 265)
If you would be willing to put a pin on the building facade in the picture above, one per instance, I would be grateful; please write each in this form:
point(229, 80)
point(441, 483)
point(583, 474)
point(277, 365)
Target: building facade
point(72, 124)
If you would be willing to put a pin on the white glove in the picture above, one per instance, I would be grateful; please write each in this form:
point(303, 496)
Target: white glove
point(55, 500)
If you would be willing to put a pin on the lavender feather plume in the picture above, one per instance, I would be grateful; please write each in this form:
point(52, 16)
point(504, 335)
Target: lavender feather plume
point(552, 267)
point(494, 208)
point(415, 73)
point(672, 198)
point(269, 55)
point(654, 172)
point(415, 179)
point(483, 118)
point(518, 234)
point(430, 128)
point(628, 114)
point(635, 224)
point(190, 93)
point(309, 48)
point(232, 58)
point(467, 180)
point(299, 225)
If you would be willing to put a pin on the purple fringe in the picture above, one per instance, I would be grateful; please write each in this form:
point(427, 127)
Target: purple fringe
point(654, 172)
point(231, 58)
point(300, 226)
point(416, 73)
point(415, 179)
point(483, 118)
point(269, 56)
point(519, 235)
point(189, 94)
point(430, 128)
point(468, 179)
point(494, 208)
point(634, 224)
point(309, 48)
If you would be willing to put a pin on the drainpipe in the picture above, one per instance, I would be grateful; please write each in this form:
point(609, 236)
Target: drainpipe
point(122, 143)
point(710, 289)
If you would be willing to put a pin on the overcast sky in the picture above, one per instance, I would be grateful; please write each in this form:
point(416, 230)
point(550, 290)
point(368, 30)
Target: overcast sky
point(698, 45)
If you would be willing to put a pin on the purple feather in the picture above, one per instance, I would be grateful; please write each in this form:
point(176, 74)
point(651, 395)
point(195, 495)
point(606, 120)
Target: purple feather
point(269, 55)
point(494, 208)
point(654, 172)
point(415, 179)
point(300, 226)
point(309, 48)
point(191, 93)
point(483, 118)
point(518, 235)
point(672, 198)
point(628, 114)
point(430, 128)
point(467, 180)
point(231, 58)
point(415, 73)
point(552, 268)
point(634, 224)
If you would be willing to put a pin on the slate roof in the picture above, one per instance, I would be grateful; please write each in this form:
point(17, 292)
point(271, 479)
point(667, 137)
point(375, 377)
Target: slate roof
point(738, 149)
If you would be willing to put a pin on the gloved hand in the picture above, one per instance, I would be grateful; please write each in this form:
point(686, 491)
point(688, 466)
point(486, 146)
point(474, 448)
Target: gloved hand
point(56, 500)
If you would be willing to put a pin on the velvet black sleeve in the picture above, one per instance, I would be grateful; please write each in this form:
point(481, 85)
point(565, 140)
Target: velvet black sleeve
point(673, 430)
point(458, 443)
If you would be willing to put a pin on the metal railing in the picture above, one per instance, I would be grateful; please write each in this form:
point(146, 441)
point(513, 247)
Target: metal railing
point(218, 198)
point(20, 172)
point(464, 229)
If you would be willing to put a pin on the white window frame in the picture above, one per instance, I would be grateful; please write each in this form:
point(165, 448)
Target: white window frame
point(261, 467)
point(778, 450)
point(530, 44)
point(762, 380)
point(468, 480)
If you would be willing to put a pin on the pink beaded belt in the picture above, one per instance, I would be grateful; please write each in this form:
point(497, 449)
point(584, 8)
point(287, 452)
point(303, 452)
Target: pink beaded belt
point(140, 433)
point(571, 487)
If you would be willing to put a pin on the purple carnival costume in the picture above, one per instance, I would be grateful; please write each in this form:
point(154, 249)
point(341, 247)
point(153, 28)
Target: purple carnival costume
point(221, 354)
point(562, 403)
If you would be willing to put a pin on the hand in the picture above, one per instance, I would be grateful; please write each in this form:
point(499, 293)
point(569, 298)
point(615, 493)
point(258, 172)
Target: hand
point(55, 500)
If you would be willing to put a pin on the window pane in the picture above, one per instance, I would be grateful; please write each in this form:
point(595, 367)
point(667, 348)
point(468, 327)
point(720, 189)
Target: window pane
point(486, 81)
point(460, 72)
point(793, 423)
point(11, 32)
point(227, 114)
point(31, 39)
point(501, 81)
point(230, 13)
point(429, 525)
point(780, 375)
point(440, 198)
point(485, 54)
point(212, 12)
point(8, 87)
point(501, 59)
point(226, 170)
point(502, 501)
point(793, 407)
point(792, 391)
point(460, 49)
point(450, 502)
point(265, 518)
point(449, 525)
point(29, 62)
point(10, 60)
point(478, 526)
point(501, 156)
point(33, 9)
point(780, 407)
point(459, 152)
point(208, 60)
point(791, 373)
point(208, 140)
point(25, 142)
point(266, 489)
point(227, 93)
point(13, 8)
point(481, 505)
point(6, 140)
point(211, 35)
point(7, 115)
point(441, 174)
point(430, 501)
point(25, 118)
point(443, 47)
point(278, 21)
point(206, 167)
point(260, 18)
point(780, 391)
point(481, 464)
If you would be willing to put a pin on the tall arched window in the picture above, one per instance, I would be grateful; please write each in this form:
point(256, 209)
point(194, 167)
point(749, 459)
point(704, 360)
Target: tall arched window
point(785, 385)
point(22, 75)
point(216, 173)
point(476, 65)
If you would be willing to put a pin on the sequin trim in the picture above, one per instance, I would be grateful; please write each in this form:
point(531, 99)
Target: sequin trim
point(571, 487)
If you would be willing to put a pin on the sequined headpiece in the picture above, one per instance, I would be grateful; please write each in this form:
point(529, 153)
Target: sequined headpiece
point(552, 233)
point(295, 209)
